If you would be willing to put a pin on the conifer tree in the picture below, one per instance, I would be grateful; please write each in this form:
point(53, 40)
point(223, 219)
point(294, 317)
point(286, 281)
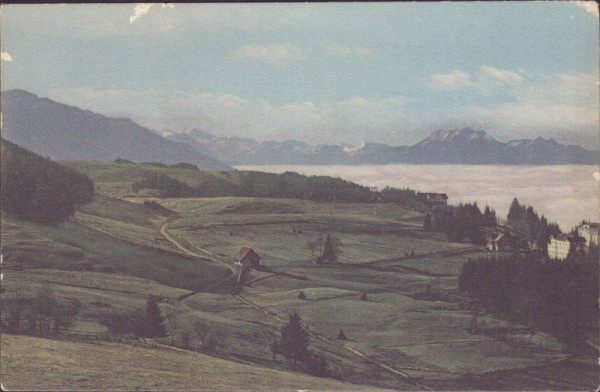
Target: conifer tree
point(329, 251)
point(294, 339)
point(155, 326)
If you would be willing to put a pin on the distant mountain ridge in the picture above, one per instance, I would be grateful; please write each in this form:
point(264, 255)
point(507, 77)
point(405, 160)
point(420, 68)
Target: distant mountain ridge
point(64, 132)
point(457, 146)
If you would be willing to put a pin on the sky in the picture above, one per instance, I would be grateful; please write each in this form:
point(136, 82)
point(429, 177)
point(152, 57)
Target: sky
point(317, 72)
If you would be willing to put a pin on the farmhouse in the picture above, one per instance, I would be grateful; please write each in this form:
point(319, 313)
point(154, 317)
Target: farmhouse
point(247, 257)
point(558, 247)
point(591, 233)
point(498, 241)
point(433, 198)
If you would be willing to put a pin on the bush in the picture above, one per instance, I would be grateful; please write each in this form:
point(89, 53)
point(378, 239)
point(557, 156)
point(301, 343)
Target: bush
point(125, 323)
point(301, 295)
point(43, 313)
point(318, 366)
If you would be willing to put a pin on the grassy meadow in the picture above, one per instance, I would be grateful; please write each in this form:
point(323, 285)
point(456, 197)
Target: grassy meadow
point(412, 332)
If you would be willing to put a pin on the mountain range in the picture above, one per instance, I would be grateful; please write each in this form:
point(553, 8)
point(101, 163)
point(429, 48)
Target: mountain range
point(62, 132)
point(458, 146)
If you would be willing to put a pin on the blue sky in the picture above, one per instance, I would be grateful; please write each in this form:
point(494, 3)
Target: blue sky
point(322, 72)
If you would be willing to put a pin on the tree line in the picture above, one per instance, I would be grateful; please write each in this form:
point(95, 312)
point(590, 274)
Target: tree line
point(556, 296)
point(41, 314)
point(531, 226)
point(180, 165)
point(37, 189)
point(285, 185)
point(464, 221)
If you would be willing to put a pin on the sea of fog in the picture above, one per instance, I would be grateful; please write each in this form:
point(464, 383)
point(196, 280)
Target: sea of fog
point(565, 194)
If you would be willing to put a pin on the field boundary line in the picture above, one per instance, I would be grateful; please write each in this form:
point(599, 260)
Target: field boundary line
point(350, 349)
point(169, 236)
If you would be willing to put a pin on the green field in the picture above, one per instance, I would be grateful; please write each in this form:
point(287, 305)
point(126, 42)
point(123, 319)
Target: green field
point(412, 332)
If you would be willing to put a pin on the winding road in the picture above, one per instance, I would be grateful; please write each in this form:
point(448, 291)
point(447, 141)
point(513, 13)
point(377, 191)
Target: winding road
point(171, 238)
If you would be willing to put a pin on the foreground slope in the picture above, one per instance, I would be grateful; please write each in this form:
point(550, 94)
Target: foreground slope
point(62, 365)
point(59, 131)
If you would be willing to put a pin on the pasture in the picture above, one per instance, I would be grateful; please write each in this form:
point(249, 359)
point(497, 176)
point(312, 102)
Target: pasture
point(412, 332)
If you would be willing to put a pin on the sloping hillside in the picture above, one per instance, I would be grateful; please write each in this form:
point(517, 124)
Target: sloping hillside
point(59, 131)
point(30, 363)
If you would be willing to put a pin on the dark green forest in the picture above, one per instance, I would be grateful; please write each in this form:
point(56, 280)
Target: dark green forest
point(533, 227)
point(286, 185)
point(37, 189)
point(556, 296)
point(464, 221)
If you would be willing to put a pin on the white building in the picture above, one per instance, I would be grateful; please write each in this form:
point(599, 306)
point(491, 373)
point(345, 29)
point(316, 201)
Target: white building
point(558, 247)
point(590, 232)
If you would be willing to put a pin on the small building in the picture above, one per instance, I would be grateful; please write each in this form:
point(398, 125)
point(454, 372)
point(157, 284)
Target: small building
point(591, 233)
point(498, 241)
point(532, 246)
point(247, 257)
point(559, 247)
point(433, 198)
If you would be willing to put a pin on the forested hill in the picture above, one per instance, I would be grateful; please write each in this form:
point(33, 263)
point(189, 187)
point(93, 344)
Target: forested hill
point(286, 185)
point(38, 189)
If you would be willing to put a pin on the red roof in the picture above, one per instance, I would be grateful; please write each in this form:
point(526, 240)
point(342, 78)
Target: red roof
point(247, 251)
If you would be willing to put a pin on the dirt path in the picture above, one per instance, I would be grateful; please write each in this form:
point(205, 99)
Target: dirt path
point(164, 230)
point(177, 241)
point(169, 236)
point(346, 347)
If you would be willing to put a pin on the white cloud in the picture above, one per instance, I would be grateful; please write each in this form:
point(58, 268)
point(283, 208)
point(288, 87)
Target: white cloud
point(6, 57)
point(590, 6)
point(453, 80)
point(489, 80)
point(347, 51)
point(564, 106)
point(140, 10)
point(501, 74)
point(277, 54)
point(352, 120)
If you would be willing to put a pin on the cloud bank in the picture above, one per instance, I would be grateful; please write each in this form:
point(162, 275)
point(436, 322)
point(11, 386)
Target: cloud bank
point(564, 106)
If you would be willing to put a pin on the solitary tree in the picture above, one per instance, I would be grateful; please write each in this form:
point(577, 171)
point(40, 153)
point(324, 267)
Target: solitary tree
point(330, 251)
point(363, 296)
point(302, 295)
point(154, 320)
point(342, 335)
point(293, 344)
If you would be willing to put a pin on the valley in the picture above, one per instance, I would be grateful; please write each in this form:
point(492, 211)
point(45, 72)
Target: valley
point(410, 331)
